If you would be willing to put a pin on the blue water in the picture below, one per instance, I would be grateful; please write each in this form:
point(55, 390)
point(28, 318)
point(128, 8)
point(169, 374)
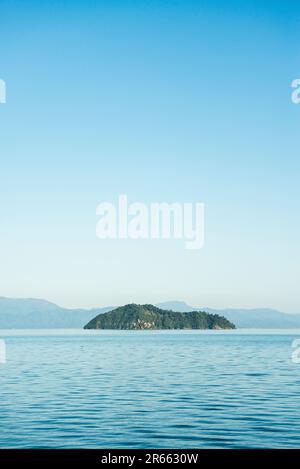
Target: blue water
point(171, 389)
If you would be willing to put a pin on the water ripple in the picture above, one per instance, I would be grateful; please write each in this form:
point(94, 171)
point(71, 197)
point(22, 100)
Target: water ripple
point(134, 389)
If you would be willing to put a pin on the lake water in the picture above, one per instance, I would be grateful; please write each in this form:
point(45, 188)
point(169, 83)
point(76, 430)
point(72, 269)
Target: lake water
point(146, 389)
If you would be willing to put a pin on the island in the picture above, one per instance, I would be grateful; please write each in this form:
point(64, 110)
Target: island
point(149, 317)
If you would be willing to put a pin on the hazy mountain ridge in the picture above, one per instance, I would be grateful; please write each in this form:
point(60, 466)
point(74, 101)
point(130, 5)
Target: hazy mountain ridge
point(27, 313)
point(32, 313)
point(149, 317)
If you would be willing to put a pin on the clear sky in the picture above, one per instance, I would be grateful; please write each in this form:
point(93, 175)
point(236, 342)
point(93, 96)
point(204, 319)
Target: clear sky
point(163, 101)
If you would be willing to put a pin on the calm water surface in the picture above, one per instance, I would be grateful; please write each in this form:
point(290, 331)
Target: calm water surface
point(171, 389)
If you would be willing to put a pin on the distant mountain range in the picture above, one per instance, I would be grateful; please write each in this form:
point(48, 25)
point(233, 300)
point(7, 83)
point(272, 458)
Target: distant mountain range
point(38, 314)
point(30, 313)
point(149, 317)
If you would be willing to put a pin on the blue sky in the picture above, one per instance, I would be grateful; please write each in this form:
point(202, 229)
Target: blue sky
point(162, 101)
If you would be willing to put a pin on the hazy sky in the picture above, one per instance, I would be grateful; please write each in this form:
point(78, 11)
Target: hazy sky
point(163, 101)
